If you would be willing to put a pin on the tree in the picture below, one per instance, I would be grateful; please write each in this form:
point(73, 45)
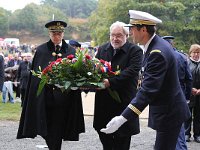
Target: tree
point(4, 21)
point(30, 18)
point(180, 18)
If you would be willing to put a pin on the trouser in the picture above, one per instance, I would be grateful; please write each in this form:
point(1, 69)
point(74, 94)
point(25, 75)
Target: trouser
point(114, 142)
point(55, 126)
point(53, 142)
point(195, 117)
point(166, 140)
point(7, 88)
point(181, 143)
point(16, 88)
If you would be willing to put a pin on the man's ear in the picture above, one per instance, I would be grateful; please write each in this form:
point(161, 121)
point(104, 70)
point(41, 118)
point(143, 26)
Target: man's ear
point(144, 29)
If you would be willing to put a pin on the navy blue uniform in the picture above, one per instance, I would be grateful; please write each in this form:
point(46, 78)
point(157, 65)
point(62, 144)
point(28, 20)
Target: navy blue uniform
point(161, 90)
point(184, 73)
point(185, 79)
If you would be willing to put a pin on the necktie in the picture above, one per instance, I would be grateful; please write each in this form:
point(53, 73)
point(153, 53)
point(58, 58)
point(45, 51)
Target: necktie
point(57, 49)
point(114, 52)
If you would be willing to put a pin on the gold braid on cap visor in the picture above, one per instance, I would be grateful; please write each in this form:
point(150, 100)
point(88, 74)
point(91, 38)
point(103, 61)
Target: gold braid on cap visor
point(146, 22)
point(56, 28)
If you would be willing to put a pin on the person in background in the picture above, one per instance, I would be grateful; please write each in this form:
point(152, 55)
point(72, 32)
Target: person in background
point(74, 44)
point(185, 79)
point(9, 74)
point(1, 71)
point(194, 103)
point(54, 115)
point(14, 62)
point(127, 57)
point(160, 87)
point(23, 75)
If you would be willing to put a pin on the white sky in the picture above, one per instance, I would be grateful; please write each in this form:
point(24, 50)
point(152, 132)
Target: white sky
point(16, 4)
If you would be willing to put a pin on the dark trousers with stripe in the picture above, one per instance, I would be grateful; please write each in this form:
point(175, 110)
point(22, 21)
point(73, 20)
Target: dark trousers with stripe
point(167, 140)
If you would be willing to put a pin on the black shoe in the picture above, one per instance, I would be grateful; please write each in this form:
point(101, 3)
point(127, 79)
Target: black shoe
point(187, 138)
point(197, 139)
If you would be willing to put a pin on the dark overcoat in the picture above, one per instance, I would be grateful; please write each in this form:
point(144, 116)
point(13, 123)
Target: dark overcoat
point(160, 89)
point(23, 73)
point(128, 59)
point(51, 107)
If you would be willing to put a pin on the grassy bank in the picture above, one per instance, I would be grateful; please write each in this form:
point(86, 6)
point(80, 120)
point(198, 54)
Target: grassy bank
point(9, 111)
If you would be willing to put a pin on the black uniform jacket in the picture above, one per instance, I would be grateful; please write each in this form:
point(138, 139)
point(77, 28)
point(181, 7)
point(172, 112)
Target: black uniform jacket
point(36, 113)
point(128, 59)
point(160, 89)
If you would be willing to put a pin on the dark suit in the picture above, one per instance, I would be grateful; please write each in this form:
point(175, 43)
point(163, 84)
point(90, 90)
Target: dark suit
point(53, 115)
point(128, 59)
point(160, 90)
point(13, 62)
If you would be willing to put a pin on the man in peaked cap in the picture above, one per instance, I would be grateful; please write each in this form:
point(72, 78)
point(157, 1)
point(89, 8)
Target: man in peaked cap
point(160, 87)
point(54, 115)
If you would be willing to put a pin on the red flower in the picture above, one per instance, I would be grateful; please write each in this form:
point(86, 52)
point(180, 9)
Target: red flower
point(47, 69)
point(102, 61)
point(70, 57)
point(52, 63)
point(111, 73)
point(88, 57)
point(58, 60)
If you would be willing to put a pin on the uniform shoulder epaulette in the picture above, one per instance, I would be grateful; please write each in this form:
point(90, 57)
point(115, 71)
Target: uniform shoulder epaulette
point(155, 51)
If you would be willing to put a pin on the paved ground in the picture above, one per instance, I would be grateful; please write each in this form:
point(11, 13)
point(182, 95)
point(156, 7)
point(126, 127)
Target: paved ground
point(88, 140)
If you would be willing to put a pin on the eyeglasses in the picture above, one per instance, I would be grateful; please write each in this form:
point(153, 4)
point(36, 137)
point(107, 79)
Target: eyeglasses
point(117, 35)
point(195, 52)
point(56, 32)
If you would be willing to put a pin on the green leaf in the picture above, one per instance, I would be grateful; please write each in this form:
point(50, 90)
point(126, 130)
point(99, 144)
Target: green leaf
point(41, 85)
point(67, 85)
point(114, 95)
point(79, 84)
point(98, 84)
point(78, 64)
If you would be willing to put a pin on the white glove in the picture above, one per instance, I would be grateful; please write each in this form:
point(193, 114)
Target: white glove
point(114, 124)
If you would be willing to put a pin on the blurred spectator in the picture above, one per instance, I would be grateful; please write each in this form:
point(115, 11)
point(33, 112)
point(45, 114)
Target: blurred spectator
point(185, 79)
point(1, 71)
point(15, 62)
point(23, 74)
point(194, 103)
point(74, 44)
point(8, 85)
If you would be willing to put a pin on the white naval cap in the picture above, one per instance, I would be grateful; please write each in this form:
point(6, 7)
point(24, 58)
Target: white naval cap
point(140, 17)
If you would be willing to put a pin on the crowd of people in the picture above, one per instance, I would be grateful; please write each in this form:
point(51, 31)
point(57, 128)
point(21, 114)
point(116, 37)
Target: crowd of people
point(14, 77)
point(157, 75)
